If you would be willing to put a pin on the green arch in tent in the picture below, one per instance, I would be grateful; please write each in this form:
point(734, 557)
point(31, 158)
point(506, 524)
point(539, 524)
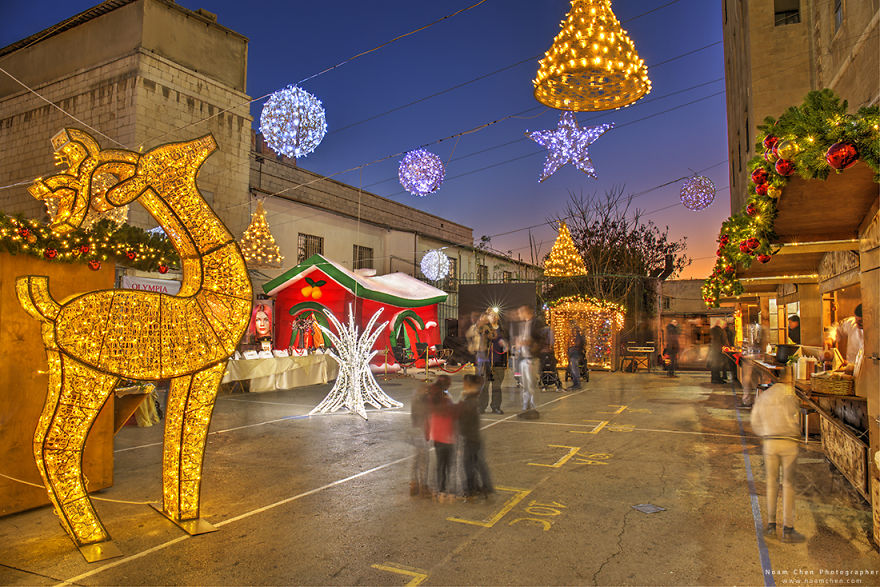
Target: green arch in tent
point(413, 319)
point(320, 316)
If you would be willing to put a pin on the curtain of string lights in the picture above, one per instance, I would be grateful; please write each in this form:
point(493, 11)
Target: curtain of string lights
point(293, 122)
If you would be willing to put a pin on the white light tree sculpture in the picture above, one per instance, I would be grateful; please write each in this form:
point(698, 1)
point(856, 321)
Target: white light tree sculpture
point(355, 385)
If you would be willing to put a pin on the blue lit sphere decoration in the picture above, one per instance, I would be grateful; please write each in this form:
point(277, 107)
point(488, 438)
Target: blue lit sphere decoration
point(697, 193)
point(435, 265)
point(421, 172)
point(293, 122)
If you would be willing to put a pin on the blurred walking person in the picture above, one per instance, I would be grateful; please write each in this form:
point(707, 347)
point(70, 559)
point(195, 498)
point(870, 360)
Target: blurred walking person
point(498, 353)
point(476, 472)
point(441, 432)
point(576, 354)
point(775, 418)
point(716, 356)
point(527, 346)
point(420, 410)
point(673, 347)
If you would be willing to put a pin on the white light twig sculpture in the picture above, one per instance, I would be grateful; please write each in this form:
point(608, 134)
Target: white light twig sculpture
point(355, 385)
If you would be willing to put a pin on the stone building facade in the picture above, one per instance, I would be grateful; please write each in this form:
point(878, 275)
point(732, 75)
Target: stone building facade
point(775, 51)
point(139, 73)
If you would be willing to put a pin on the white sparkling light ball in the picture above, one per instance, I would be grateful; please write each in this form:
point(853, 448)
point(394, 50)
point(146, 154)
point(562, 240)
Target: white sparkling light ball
point(435, 265)
point(421, 172)
point(697, 193)
point(293, 122)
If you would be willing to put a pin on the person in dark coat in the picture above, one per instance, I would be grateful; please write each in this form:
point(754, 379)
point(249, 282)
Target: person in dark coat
point(672, 346)
point(717, 359)
point(477, 478)
point(575, 356)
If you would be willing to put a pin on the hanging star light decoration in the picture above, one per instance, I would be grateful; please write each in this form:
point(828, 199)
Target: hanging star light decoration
point(355, 385)
point(293, 122)
point(568, 144)
point(421, 172)
point(435, 265)
point(697, 192)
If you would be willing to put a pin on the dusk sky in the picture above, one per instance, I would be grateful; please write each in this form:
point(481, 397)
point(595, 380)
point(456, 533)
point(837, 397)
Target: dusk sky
point(492, 175)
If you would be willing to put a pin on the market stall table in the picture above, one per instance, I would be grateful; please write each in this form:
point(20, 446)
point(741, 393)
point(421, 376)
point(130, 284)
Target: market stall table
point(278, 373)
point(844, 445)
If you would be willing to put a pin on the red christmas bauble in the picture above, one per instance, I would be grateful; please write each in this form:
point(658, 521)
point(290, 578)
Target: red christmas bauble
point(50, 253)
point(744, 246)
point(163, 268)
point(761, 189)
point(94, 264)
point(753, 243)
point(760, 176)
point(84, 249)
point(784, 167)
point(724, 239)
point(729, 269)
point(23, 232)
point(131, 255)
point(841, 155)
point(769, 141)
point(763, 258)
point(751, 209)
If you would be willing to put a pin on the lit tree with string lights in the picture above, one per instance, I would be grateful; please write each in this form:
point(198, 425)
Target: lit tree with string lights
point(258, 246)
point(564, 259)
point(355, 385)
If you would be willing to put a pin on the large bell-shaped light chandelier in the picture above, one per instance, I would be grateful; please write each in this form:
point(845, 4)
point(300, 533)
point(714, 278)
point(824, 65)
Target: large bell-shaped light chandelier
point(593, 64)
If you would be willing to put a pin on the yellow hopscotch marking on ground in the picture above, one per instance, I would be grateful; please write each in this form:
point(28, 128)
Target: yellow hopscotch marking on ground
point(520, 494)
point(619, 410)
point(602, 424)
point(418, 575)
point(572, 450)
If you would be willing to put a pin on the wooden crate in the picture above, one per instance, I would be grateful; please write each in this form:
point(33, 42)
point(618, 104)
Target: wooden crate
point(849, 455)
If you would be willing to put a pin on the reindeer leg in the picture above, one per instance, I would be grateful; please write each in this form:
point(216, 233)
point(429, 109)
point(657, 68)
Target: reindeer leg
point(188, 414)
point(75, 397)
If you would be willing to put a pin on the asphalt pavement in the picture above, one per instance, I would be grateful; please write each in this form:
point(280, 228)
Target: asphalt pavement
point(324, 500)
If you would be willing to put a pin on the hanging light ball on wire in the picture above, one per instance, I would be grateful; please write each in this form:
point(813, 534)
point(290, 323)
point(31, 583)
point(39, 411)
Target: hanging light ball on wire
point(293, 122)
point(592, 64)
point(421, 172)
point(435, 265)
point(697, 193)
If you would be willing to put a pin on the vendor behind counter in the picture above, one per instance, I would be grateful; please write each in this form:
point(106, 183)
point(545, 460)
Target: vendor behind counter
point(849, 338)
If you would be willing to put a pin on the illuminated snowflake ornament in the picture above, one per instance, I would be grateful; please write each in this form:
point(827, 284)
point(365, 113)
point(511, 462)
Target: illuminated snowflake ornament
point(355, 385)
point(697, 193)
point(293, 122)
point(435, 265)
point(421, 172)
point(568, 143)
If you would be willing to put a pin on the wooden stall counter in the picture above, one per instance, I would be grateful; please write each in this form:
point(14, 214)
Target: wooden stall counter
point(842, 421)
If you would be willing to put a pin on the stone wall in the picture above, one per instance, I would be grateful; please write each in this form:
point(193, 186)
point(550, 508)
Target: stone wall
point(133, 95)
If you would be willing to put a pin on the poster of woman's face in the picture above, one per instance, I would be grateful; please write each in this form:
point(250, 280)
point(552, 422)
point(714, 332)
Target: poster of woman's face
point(261, 321)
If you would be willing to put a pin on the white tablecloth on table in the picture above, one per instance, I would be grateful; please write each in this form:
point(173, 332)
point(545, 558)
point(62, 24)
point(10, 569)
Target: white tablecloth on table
point(282, 372)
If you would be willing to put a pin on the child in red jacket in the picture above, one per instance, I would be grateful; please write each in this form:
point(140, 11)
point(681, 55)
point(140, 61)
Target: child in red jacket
point(441, 431)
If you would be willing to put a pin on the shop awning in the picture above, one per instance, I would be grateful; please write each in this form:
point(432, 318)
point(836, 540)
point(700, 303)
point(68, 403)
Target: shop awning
point(814, 217)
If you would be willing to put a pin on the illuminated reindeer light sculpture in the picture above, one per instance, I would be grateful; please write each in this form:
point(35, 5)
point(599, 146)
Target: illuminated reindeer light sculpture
point(94, 339)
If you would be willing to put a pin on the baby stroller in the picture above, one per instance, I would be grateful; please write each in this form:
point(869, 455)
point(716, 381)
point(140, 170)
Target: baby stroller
point(549, 375)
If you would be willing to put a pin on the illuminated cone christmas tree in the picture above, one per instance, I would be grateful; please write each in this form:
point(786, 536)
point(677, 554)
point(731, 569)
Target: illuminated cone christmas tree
point(257, 244)
point(564, 259)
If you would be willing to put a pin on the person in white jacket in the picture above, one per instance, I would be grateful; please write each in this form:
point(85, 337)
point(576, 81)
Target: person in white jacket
point(775, 419)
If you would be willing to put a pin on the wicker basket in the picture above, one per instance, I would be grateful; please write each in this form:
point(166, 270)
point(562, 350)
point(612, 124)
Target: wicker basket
point(825, 383)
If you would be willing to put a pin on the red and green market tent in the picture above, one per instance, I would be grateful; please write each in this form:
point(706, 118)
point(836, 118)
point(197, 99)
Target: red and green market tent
point(316, 284)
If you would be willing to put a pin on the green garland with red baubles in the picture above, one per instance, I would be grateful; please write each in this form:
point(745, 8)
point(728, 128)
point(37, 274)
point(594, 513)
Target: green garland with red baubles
point(810, 140)
point(123, 244)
